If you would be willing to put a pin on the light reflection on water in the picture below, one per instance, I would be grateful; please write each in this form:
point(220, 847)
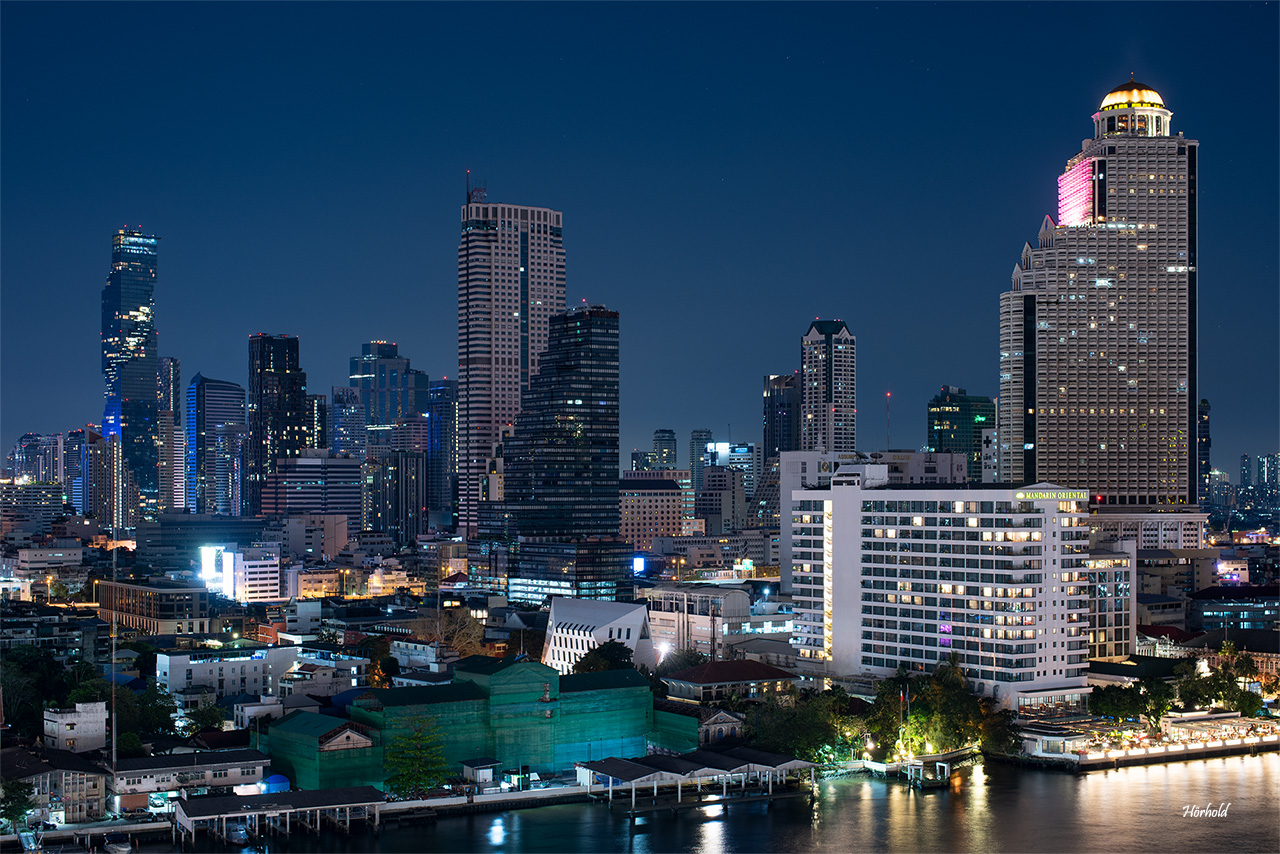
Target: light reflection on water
point(998, 808)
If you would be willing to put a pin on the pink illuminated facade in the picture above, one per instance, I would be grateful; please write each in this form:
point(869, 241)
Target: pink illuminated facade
point(1075, 194)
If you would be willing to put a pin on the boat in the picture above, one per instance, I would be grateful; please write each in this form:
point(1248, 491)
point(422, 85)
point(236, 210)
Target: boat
point(237, 834)
point(117, 843)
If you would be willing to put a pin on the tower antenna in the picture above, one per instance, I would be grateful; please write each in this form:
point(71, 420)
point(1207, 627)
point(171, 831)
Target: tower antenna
point(467, 199)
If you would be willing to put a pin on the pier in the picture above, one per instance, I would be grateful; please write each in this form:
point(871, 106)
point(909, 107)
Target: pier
point(319, 811)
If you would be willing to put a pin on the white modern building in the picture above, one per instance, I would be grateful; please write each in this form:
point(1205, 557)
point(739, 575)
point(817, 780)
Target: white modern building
point(828, 394)
point(254, 574)
point(224, 673)
point(891, 576)
point(1098, 367)
point(576, 626)
point(511, 281)
point(804, 469)
point(78, 729)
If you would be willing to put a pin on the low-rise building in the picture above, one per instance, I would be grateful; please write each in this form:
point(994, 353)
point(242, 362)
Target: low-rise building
point(136, 779)
point(1234, 608)
point(718, 680)
point(66, 787)
point(157, 608)
point(78, 729)
point(252, 670)
point(680, 727)
point(577, 626)
point(696, 616)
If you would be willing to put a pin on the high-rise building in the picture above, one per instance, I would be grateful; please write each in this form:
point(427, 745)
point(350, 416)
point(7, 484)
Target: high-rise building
point(722, 501)
point(389, 389)
point(346, 429)
point(956, 421)
point(781, 413)
point(745, 457)
point(129, 360)
point(24, 457)
point(316, 482)
point(171, 451)
point(1098, 333)
point(511, 281)
point(664, 448)
point(828, 394)
point(442, 453)
point(1203, 443)
point(561, 464)
point(1267, 484)
point(699, 438)
point(316, 427)
point(1246, 470)
point(277, 411)
point(212, 405)
point(395, 495)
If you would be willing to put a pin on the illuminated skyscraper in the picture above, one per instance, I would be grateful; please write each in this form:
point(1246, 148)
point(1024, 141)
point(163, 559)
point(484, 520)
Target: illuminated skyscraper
point(781, 413)
point(956, 421)
point(129, 360)
point(277, 411)
point(664, 448)
point(389, 389)
point(828, 394)
point(511, 281)
point(215, 417)
point(171, 437)
point(699, 456)
point(1098, 334)
point(1203, 443)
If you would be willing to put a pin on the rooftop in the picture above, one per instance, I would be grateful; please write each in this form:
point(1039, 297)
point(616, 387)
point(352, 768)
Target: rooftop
point(718, 672)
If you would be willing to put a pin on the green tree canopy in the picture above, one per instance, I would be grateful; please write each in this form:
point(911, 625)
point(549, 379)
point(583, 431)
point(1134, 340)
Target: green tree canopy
point(17, 800)
point(211, 716)
point(681, 659)
point(156, 710)
point(414, 761)
point(611, 655)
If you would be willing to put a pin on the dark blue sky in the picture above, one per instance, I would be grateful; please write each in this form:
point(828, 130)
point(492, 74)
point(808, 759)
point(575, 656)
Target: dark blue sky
point(728, 172)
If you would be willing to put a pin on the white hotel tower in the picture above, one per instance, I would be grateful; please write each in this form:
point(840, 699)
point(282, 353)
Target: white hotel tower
point(510, 283)
point(1098, 334)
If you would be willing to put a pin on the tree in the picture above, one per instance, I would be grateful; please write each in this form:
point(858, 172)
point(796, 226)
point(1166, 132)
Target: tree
point(130, 746)
point(999, 734)
point(454, 628)
point(200, 719)
point(680, 659)
point(611, 655)
point(16, 800)
point(1156, 699)
point(528, 642)
point(156, 710)
point(382, 670)
point(146, 660)
point(414, 762)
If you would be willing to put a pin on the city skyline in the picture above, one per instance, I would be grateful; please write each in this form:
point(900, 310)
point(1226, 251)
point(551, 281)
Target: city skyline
point(661, 192)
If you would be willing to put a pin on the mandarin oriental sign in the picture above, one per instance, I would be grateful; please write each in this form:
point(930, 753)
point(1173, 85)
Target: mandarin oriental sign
point(1061, 495)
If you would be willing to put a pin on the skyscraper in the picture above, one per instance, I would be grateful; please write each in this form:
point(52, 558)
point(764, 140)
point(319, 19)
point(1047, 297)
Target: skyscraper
point(129, 360)
point(561, 465)
point(442, 452)
point(1203, 443)
point(828, 396)
point(212, 406)
point(1098, 333)
point(277, 411)
point(346, 429)
point(781, 413)
point(956, 421)
point(389, 389)
point(316, 429)
point(170, 436)
point(1246, 470)
point(561, 468)
point(699, 457)
point(664, 448)
point(511, 281)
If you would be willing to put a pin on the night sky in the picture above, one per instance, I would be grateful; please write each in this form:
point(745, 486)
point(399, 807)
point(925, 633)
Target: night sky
point(727, 173)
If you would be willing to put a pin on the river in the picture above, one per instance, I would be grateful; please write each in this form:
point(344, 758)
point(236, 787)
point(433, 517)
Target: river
point(987, 809)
